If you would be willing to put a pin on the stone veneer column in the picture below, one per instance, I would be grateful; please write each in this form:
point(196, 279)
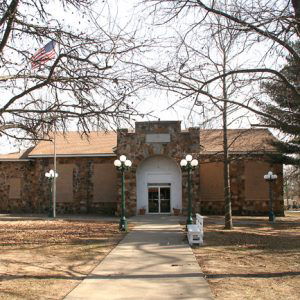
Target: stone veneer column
point(237, 185)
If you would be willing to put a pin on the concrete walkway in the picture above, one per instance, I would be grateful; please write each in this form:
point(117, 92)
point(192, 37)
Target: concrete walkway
point(152, 262)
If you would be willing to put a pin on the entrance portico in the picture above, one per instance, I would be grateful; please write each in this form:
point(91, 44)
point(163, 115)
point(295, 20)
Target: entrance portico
point(156, 182)
point(159, 185)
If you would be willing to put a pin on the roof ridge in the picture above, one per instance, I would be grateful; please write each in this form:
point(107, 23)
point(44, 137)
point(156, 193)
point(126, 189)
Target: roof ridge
point(234, 129)
point(83, 133)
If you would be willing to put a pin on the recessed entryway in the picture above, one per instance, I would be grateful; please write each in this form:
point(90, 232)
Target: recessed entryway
point(159, 185)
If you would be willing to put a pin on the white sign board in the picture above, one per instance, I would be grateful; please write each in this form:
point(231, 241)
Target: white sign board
point(158, 138)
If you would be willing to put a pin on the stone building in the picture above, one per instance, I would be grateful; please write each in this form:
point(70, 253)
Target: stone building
point(88, 181)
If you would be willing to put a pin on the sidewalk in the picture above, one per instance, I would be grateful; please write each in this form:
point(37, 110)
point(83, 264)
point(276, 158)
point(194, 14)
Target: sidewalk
point(152, 262)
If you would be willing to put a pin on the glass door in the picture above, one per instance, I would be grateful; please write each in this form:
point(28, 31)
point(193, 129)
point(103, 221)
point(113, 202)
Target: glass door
point(153, 199)
point(164, 202)
point(159, 198)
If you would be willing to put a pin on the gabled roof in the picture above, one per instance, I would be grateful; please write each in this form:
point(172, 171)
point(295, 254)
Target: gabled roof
point(74, 144)
point(239, 140)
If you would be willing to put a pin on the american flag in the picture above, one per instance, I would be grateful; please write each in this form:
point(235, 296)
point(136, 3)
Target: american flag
point(43, 55)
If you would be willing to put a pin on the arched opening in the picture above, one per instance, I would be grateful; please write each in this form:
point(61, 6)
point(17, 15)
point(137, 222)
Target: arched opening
point(159, 187)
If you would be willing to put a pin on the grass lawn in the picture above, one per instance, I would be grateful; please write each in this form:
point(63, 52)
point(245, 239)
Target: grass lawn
point(46, 259)
point(256, 260)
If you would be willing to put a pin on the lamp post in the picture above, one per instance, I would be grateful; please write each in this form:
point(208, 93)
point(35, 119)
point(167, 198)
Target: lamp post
point(270, 178)
point(189, 164)
point(123, 164)
point(51, 175)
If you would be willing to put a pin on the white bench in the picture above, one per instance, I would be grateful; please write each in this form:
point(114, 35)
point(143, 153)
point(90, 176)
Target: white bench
point(195, 231)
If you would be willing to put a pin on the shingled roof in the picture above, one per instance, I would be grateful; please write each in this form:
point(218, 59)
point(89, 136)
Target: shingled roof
point(102, 144)
point(239, 140)
point(73, 143)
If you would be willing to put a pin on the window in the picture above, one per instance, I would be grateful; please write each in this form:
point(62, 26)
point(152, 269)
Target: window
point(14, 188)
point(211, 181)
point(64, 182)
point(105, 183)
point(256, 188)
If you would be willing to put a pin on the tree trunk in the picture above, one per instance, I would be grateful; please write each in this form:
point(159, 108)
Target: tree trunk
point(226, 166)
point(227, 192)
point(296, 6)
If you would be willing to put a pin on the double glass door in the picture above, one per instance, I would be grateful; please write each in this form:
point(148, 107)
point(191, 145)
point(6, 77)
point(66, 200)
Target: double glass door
point(159, 198)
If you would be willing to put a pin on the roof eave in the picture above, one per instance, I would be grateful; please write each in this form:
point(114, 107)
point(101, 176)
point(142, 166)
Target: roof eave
point(15, 159)
point(240, 152)
point(73, 155)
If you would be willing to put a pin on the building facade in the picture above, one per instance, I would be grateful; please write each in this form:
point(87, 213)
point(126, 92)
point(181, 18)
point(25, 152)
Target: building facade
point(89, 183)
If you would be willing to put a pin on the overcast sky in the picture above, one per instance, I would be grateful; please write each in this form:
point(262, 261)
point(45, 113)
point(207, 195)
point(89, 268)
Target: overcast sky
point(127, 14)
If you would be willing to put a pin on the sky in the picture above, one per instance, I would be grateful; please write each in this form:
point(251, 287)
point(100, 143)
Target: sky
point(160, 103)
point(154, 104)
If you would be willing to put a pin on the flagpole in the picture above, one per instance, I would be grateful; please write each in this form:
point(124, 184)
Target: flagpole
point(54, 179)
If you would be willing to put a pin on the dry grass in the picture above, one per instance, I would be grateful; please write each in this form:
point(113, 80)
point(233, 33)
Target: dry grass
point(256, 260)
point(45, 259)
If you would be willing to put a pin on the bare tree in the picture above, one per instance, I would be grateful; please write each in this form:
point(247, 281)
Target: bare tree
point(268, 26)
point(220, 54)
point(225, 42)
point(197, 56)
point(90, 80)
point(263, 27)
